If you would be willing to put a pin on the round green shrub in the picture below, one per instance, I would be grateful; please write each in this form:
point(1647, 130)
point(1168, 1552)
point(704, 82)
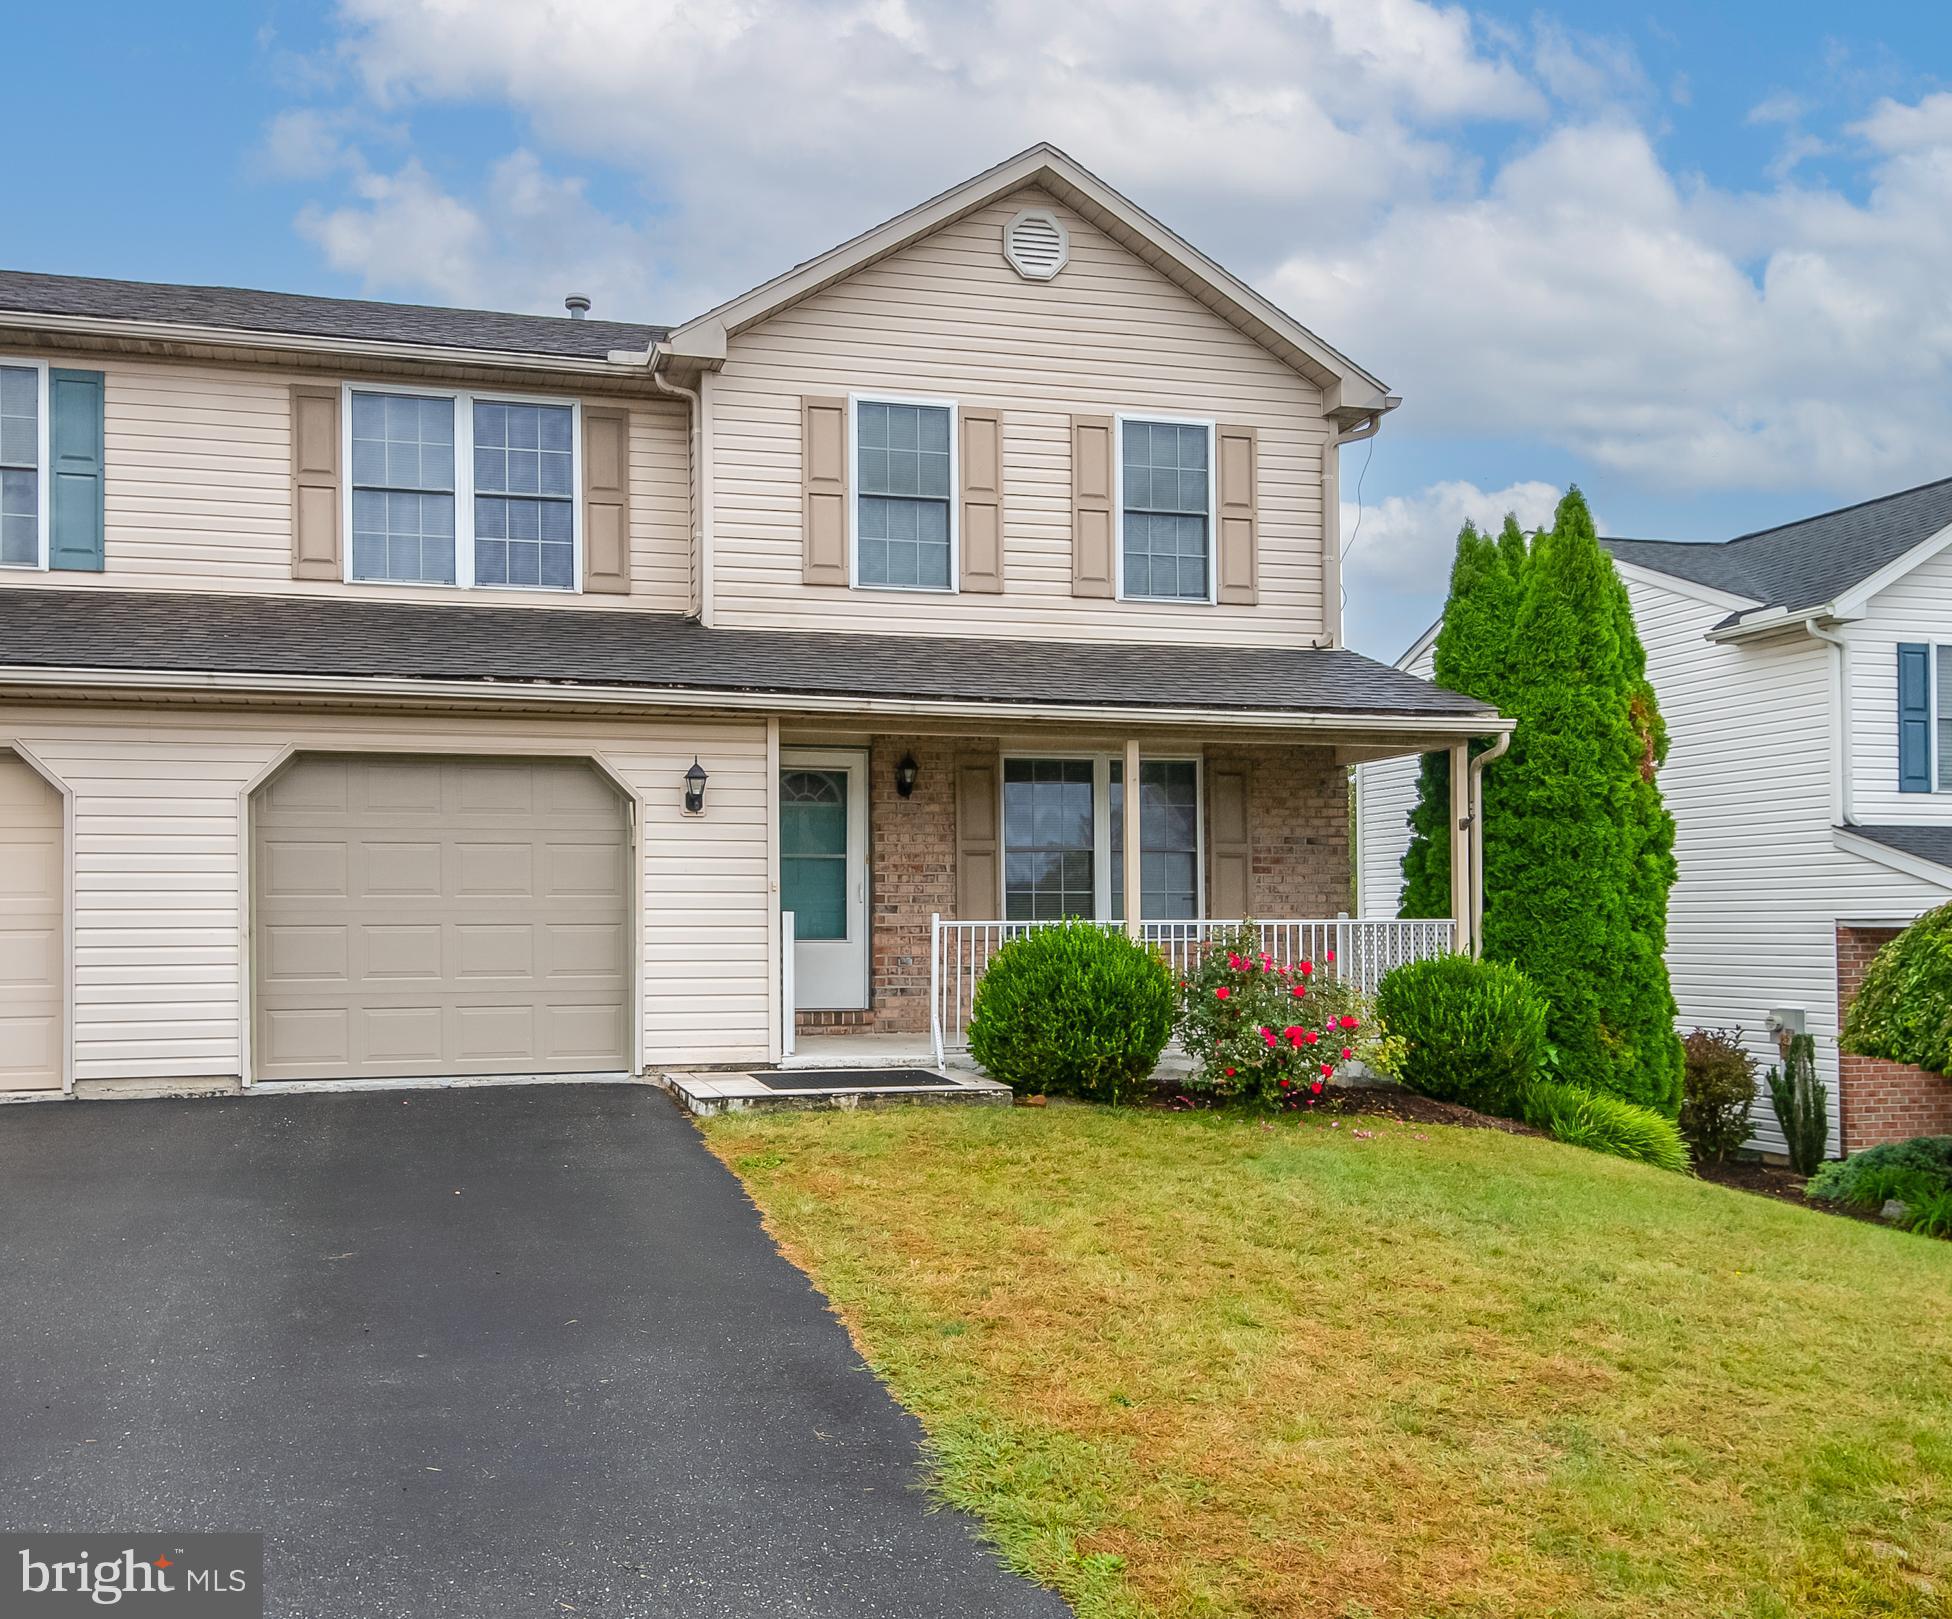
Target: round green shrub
point(1903, 1009)
point(1717, 1092)
point(1073, 1009)
point(1603, 1123)
point(1870, 1176)
point(1472, 1031)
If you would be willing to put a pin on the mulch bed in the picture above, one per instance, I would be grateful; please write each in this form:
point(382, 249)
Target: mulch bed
point(1779, 1182)
point(1407, 1107)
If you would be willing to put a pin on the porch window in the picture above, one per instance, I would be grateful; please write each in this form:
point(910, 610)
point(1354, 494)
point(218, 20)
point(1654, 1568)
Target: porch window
point(1064, 838)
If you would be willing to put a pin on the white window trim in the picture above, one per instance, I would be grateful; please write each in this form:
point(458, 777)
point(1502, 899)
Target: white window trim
point(44, 479)
point(854, 580)
point(464, 403)
point(1101, 822)
point(1212, 426)
point(1937, 652)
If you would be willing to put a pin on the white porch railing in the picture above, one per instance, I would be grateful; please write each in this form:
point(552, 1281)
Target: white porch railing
point(1364, 949)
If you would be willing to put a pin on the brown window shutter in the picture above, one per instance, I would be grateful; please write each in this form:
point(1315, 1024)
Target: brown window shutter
point(1229, 846)
point(315, 550)
point(823, 483)
point(606, 500)
point(982, 500)
point(1237, 450)
point(1091, 507)
point(978, 859)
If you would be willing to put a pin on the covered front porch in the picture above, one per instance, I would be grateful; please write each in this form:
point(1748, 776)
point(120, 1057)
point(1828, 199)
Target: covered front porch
point(907, 858)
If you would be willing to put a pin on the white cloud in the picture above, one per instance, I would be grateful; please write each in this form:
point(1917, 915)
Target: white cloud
point(770, 129)
point(1688, 337)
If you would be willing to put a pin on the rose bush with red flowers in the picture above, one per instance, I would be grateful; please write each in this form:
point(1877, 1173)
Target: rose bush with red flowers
point(1266, 1031)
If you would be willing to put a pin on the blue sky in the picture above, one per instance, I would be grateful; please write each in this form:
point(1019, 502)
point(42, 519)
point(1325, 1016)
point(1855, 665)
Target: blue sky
point(1691, 257)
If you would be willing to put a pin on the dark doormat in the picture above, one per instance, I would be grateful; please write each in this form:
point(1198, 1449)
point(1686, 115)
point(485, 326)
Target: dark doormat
point(849, 1079)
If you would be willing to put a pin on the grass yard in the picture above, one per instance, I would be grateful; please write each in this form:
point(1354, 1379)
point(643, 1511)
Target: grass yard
point(1191, 1364)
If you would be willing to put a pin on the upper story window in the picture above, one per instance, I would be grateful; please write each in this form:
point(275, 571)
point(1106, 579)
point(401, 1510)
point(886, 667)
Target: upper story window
point(904, 516)
point(23, 441)
point(1165, 509)
point(459, 489)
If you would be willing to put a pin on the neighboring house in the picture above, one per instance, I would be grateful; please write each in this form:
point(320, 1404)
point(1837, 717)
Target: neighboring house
point(1805, 673)
point(400, 691)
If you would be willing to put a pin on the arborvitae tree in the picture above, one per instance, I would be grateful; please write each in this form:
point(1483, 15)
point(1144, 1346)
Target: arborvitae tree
point(1471, 656)
point(1579, 848)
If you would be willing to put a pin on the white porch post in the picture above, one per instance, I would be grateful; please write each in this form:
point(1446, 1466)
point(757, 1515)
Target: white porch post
point(1134, 923)
point(1461, 872)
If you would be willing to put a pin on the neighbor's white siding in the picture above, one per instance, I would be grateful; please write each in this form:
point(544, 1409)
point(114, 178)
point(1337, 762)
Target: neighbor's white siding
point(1917, 608)
point(947, 318)
point(1762, 885)
point(1386, 792)
point(159, 901)
point(198, 493)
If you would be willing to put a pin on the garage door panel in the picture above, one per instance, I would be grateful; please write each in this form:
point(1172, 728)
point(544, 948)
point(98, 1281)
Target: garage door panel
point(485, 910)
point(33, 905)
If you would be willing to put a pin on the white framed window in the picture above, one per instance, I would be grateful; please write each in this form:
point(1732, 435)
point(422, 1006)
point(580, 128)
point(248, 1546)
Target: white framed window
point(903, 502)
point(479, 490)
point(23, 463)
point(1941, 729)
point(1165, 506)
point(1064, 837)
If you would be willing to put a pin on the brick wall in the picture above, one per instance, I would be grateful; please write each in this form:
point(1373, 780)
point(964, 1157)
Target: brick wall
point(1881, 1101)
point(1298, 827)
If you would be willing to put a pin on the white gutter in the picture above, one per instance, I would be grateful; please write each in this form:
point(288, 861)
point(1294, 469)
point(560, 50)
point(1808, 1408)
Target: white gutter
point(339, 348)
point(701, 551)
point(532, 692)
point(1843, 799)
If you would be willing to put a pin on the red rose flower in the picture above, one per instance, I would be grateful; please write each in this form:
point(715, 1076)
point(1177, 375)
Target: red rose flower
point(1347, 1052)
point(1348, 1023)
point(1307, 967)
point(1299, 991)
point(1222, 993)
point(1316, 1088)
point(1267, 1034)
point(1311, 1037)
point(1292, 1035)
point(1328, 1068)
point(1331, 955)
point(1230, 1073)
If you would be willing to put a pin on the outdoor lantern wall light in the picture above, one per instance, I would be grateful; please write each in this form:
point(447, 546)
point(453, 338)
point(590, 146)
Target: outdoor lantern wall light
point(695, 788)
point(906, 774)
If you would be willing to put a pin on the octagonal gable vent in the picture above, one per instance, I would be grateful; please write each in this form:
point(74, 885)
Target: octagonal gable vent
point(1036, 244)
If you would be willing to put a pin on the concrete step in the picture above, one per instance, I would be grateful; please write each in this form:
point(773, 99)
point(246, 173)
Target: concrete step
point(705, 1094)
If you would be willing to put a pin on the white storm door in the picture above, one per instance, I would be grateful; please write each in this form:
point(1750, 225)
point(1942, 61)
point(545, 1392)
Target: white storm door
point(823, 875)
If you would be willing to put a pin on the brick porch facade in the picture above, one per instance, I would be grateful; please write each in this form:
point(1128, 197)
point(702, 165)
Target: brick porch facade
point(1298, 828)
point(1881, 1101)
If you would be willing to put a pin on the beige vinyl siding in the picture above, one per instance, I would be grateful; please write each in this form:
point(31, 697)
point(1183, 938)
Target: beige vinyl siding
point(948, 318)
point(159, 835)
point(198, 493)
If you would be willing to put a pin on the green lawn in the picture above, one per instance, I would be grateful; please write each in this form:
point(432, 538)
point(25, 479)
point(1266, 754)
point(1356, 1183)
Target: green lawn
point(1194, 1364)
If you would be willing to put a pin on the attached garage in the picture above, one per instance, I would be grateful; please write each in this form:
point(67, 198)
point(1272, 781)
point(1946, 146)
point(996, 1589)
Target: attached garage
point(416, 917)
point(31, 932)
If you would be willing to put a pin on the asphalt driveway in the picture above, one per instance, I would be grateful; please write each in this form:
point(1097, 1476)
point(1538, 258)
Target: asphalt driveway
point(496, 1352)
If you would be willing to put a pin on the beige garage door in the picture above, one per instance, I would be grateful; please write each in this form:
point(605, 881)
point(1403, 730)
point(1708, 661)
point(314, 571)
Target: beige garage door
point(30, 929)
point(439, 916)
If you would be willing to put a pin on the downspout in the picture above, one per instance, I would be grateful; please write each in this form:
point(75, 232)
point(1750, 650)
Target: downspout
point(1839, 720)
point(1332, 523)
point(1497, 750)
point(702, 597)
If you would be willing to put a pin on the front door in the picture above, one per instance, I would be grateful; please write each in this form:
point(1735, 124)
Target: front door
point(823, 847)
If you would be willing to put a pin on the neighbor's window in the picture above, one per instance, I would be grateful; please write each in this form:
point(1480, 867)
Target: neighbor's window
point(1063, 838)
point(20, 466)
point(524, 504)
point(1165, 508)
point(902, 503)
point(1942, 714)
point(403, 488)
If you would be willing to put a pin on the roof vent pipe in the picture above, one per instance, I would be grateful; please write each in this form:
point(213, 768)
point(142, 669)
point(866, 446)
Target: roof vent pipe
point(577, 304)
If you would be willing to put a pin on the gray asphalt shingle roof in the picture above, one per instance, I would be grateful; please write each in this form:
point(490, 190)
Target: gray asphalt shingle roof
point(286, 313)
point(284, 635)
point(1933, 843)
point(1809, 562)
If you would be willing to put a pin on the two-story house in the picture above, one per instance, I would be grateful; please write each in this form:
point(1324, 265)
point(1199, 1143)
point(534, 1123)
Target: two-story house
point(392, 691)
point(1805, 673)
